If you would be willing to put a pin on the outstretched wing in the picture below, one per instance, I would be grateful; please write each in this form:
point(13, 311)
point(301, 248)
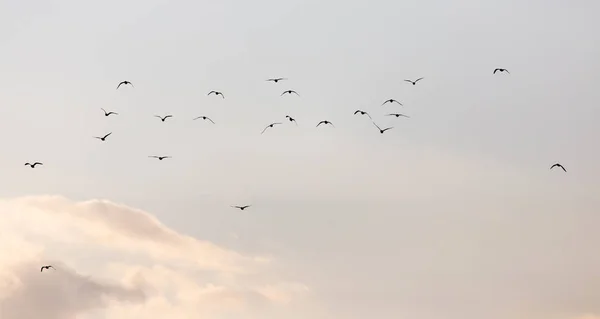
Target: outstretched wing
point(409, 81)
point(419, 79)
point(389, 128)
point(211, 92)
point(208, 118)
point(121, 83)
point(105, 136)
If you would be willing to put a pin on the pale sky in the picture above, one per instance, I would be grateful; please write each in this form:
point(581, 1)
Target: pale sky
point(452, 214)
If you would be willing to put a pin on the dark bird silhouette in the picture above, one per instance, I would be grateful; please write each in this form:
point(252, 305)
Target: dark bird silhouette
point(397, 115)
point(104, 137)
point(163, 118)
point(325, 122)
point(501, 70)
point(558, 165)
point(289, 92)
point(276, 79)
point(380, 130)
point(205, 118)
point(108, 113)
point(46, 267)
point(216, 93)
point(241, 207)
point(362, 113)
point(270, 125)
point(415, 81)
point(124, 82)
point(291, 119)
point(391, 101)
point(34, 164)
point(160, 158)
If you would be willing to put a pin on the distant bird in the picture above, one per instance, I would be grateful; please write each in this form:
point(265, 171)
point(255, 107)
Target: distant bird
point(104, 137)
point(325, 122)
point(397, 115)
point(46, 267)
point(216, 93)
point(501, 70)
point(204, 118)
point(362, 113)
point(124, 82)
point(558, 165)
point(276, 79)
point(415, 81)
point(163, 118)
point(34, 164)
point(391, 101)
point(289, 92)
point(270, 125)
point(108, 113)
point(160, 158)
point(380, 130)
point(291, 119)
point(241, 207)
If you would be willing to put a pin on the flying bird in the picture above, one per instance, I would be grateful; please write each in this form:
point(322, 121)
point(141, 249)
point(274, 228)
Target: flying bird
point(204, 118)
point(380, 130)
point(291, 119)
point(46, 267)
point(34, 164)
point(391, 101)
point(415, 81)
point(325, 122)
point(160, 158)
point(276, 79)
point(501, 70)
point(289, 92)
point(241, 207)
point(124, 82)
point(362, 113)
point(270, 125)
point(558, 165)
point(108, 113)
point(163, 118)
point(397, 115)
point(216, 93)
point(104, 137)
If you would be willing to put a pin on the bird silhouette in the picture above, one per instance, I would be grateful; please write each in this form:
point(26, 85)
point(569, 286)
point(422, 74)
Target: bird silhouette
point(241, 207)
point(160, 158)
point(46, 267)
point(270, 125)
point(501, 70)
point(325, 122)
point(108, 113)
point(291, 119)
point(415, 81)
point(397, 115)
point(124, 82)
point(163, 118)
point(216, 93)
point(204, 118)
point(289, 92)
point(276, 79)
point(380, 130)
point(362, 113)
point(104, 137)
point(391, 101)
point(558, 165)
point(34, 164)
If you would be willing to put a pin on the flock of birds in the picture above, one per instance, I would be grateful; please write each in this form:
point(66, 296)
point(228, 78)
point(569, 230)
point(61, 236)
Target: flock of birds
point(288, 118)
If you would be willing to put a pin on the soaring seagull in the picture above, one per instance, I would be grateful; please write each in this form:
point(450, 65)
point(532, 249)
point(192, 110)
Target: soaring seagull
point(391, 101)
point(362, 113)
point(325, 122)
point(205, 118)
point(241, 207)
point(290, 92)
point(108, 113)
point(415, 81)
point(124, 82)
point(104, 137)
point(501, 70)
point(276, 79)
point(34, 164)
point(558, 165)
point(268, 126)
point(382, 130)
point(160, 158)
point(46, 267)
point(216, 93)
point(163, 118)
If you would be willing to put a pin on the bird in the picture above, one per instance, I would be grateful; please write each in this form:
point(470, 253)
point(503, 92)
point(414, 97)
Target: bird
point(391, 101)
point(397, 115)
point(124, 82)
point(325, 122)
point(108, 113)
point(558, 165)
point(276, 79)
point(34, 164)
point(204, 118)
point(291, 119)
point(46, 267)
point(380, 130)
point(160, 158)
point(163, 118)
point(216, 93)
point(362, 113)
point(289, 92)
point(501, 70)
point(241, 207)
point(270, 125)
point(415, 81)
point(104, 137)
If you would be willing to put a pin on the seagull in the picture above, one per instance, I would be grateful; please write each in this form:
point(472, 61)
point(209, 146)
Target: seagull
point(415, 81)
point(362, 113)
point(270, 125)
point(163, 118)
point(216, 93)
point(34, 164)
point(241, 207)
point(103, 138)
point(276, 80)
point(290, 92)
point(325, 122)
point(397, 115)
point(558, 165)
point(391, 101)
point(108, 113)
point(46, 267)
point(204, 118)
point(291, 119)
point(501, 70)
point(124, 82)
point(160, 158)
point(380, 130)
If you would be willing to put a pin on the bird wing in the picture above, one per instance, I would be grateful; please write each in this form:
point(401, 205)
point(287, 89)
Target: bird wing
point(554, 165)
point(38, 163)
point(419, 79)
point(391, 114)
point(265, 129)
point(331, 124)
point(409, 81)
point(284, 92)
point(320, 123)
point(27, 164)
point(153, 156)
point(563, 168)
point(357, 111)
point(495, 70)
point(168, 116)
point(295, 93)
point(158, 116)
point(506, 71)
point(42, 269)
point(115, 113)
point(397, 102)
point(210, 120)
point(119, 85)
point(209, 93)
point(389, 128)
point(105, 136)
point(377, 126)
point(103, 110)
point(223, 96)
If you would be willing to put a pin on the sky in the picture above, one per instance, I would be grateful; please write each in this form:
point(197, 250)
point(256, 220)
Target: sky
point(453, 213)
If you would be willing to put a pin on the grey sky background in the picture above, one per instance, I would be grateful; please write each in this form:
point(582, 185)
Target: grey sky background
point(452, 214)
